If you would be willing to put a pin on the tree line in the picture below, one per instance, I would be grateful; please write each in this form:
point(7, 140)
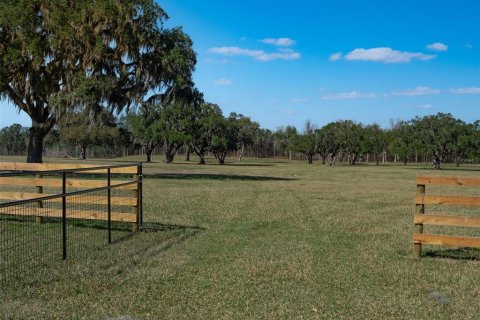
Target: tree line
point(200, 128)
point(106, 74)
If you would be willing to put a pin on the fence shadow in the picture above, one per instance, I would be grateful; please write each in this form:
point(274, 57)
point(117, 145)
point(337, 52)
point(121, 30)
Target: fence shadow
point(211, 176)
point(470, 254)
point(158, 227)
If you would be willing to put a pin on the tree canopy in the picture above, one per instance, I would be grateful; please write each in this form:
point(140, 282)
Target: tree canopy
point(57, 55)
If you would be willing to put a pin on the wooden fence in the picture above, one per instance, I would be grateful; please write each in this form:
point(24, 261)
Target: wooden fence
point(41, 176)
point(421, 218)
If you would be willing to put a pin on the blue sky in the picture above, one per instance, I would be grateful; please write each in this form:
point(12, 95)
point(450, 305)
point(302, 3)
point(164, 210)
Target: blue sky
point(283, 62)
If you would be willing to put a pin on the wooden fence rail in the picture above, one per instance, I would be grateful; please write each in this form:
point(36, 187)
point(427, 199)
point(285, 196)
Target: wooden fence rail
point(41, 178)
point(421, 218)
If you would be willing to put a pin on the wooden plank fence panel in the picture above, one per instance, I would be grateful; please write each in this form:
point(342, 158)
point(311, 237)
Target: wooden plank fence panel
point(448, 200)
point(445, 240)
point(72, 183)
point(420, 218)
point(122, 201)
point(39, 181)
point(442, 220)
point(16, 166)
point(448, 181)
point(71, 214)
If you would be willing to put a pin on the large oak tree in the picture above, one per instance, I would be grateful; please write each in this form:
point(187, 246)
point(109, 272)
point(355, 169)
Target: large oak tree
point(59, 54)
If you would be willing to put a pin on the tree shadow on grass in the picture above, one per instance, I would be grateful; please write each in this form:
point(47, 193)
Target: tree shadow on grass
point(211, 176)
point(171, 235)
point(158, 227)
point(472, 254)
point(236, 164)
point(442, 169)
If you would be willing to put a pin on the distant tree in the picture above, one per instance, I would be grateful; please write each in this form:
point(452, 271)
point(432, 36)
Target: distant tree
point(374, 141)
point(224, 136)
point(83, 131)
point(145, 128)
point(204, 128)
point(402, 140)
point(323, 143)
point(13, 138)
point(475, 151)
point(247, 129)
point(463, 141)
point(307, 142)
point(352, 136)
point(287, 137)
point(177, 120)
point(436, 133)
point(264, 143)
point(332, 139)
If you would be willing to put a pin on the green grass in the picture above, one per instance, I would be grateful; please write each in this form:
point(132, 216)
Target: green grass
point(264, 239)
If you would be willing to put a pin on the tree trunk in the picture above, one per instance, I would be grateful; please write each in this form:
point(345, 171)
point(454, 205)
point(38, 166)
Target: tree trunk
point(457, 162)
point(241, 153)
point(200, 153)
point(149, 154)
point(332, 159)
point(149, 148)
point(436, 162)
point(37, 133)
point(354, 159)
point(83, 152)
point(310, 158)
point(169, 156)
point(221, 157)
point(188, 154)
point(170, 152)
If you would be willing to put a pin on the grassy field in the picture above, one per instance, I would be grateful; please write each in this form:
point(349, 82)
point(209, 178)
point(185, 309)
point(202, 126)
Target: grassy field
point(263, 239)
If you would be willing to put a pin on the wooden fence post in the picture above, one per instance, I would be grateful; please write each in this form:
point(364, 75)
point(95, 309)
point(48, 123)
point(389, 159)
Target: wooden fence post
point(419, 209)
point(38, 219)
point(135, 206)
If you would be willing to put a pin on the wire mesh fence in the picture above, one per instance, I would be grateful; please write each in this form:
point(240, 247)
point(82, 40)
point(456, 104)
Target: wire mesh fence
point(64, 223)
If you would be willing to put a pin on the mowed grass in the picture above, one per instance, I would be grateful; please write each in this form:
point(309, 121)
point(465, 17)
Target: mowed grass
point(263, 239)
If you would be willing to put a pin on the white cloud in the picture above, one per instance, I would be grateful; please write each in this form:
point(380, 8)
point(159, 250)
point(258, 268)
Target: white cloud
point(298, 100)
point(426, 106)
point(335, 56)
point(418, 91)
point(349, 95)
point(289, 111)
point(235, 51)
point(471, 90)
point(258, 55)
point(281, 42)
point(468, 46)
point(437, 46)
point(214, 61)
point(223, 82)
point(386, 55)
point(282, 56)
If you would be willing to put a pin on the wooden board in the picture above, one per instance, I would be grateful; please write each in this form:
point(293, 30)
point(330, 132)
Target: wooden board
point(71, 214)
point(435, 239)
point(79, 199)
point(449, 181)
point(70, 183)
point(448, 200)
point(442, 220)
point(16, 166)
